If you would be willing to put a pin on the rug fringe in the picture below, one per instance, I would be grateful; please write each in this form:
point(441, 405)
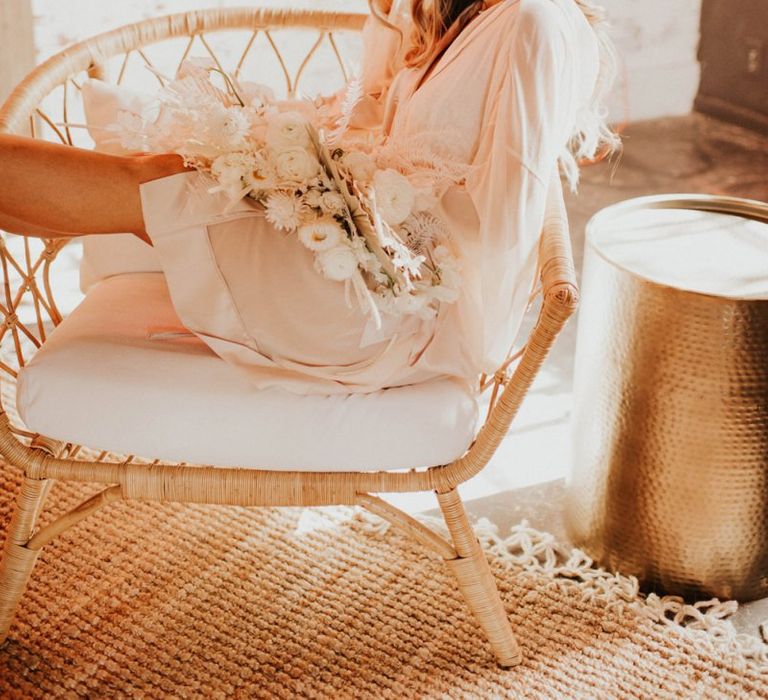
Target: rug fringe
point(539, 552)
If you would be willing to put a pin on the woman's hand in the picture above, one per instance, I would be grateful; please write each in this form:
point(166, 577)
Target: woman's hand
point(51, 189)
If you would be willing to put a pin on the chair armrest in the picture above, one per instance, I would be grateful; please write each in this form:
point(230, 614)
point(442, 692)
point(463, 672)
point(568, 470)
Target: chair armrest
point(558, 272)
point(560, 299)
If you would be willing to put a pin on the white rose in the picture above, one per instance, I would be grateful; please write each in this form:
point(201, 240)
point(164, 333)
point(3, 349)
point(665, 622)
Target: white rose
point(321, 235)
point(360, 166)
point(395, 196)
point(338, 263)
point(295, 166)
point(286, 130)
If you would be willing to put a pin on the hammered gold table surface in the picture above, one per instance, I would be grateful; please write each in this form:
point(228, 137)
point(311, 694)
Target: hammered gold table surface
point(670, 425)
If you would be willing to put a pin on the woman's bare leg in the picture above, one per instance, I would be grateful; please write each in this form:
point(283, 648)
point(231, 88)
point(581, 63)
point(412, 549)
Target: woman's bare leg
point(53, 188)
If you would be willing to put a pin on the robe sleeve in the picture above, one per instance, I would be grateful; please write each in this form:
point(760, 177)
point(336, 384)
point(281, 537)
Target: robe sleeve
point(383, 57)
point(384, 49)
point(531, 113)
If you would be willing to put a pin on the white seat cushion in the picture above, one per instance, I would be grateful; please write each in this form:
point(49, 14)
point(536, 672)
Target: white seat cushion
point(119, 374)
point(105, 256)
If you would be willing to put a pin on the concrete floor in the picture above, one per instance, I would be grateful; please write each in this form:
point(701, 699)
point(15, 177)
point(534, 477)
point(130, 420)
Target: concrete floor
point(693, 154)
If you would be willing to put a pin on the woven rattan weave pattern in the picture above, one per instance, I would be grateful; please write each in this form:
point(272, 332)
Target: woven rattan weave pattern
point(158, 601)
point(28, 310)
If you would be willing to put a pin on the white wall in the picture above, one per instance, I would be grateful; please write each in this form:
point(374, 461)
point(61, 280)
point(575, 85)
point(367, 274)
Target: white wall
point(17, 54)
point(656, 39)
point(62, 22)
point(657, 42)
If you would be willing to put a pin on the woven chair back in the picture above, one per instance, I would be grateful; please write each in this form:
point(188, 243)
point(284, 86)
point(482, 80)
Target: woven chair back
point(293, 52)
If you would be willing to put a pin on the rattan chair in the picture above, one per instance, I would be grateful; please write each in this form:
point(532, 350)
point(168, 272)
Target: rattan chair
point(28, 289)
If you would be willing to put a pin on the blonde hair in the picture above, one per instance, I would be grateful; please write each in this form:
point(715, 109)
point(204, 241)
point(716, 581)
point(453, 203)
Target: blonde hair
point(440, 21)
point(432, 21)
point(593, 136)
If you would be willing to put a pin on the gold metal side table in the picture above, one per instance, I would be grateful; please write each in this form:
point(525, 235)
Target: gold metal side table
point(670, 426)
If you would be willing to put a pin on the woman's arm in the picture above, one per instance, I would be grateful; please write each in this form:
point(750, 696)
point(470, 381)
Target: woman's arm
point(52, 189)
point(24, 228)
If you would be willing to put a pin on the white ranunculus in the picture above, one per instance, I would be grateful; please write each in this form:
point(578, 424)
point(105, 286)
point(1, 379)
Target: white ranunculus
point(338, 263)
point(395, 196)
point(287, 129)
point(333, 203)
point(360, 166)
point(295, 166)
point(321, 234)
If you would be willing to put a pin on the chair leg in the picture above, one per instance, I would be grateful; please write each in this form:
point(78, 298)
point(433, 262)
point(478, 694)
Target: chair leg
point(18, 561)
point(476, 581)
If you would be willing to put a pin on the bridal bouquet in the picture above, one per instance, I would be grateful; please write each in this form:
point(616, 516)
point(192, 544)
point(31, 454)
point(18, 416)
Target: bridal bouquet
point(367, 224)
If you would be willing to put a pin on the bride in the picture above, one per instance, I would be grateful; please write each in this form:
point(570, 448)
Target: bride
point(509, 88)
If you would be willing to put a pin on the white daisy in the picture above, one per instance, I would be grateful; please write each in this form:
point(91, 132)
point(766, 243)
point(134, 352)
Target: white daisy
point(228, 126)
point(322, 234)
point(284, 211)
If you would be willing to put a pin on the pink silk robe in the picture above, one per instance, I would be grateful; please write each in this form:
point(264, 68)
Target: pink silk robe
point(504, 99)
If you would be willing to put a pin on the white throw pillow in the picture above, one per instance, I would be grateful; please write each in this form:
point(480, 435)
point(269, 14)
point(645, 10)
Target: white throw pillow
point(105, 256)
point(102, 104)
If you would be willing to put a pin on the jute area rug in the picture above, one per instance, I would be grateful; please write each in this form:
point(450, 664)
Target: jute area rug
point(149, 601)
